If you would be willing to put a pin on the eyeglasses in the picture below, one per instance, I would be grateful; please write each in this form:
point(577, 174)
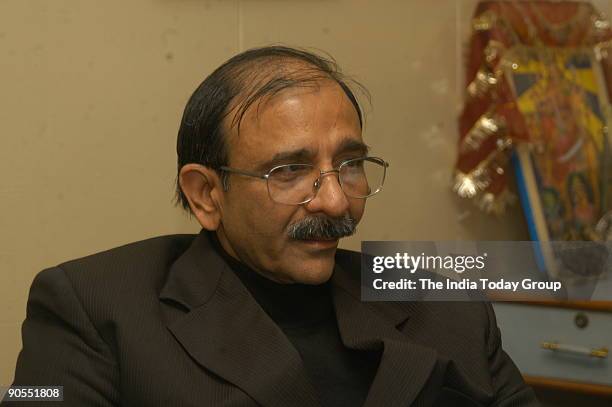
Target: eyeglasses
point(296, 184)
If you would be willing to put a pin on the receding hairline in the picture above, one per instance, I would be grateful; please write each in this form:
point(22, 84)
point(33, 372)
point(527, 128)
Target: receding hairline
point(262, 78)
point(312, 86)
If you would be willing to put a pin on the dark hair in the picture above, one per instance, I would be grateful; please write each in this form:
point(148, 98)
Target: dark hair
point(236, 85)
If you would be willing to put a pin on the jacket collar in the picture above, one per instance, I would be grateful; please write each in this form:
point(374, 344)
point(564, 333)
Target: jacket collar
point(227, 332)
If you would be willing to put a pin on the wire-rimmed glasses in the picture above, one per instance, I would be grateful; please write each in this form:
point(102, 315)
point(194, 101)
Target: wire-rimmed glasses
point(296, 184)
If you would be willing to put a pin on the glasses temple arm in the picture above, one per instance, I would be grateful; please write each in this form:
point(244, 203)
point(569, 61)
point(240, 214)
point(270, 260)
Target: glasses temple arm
point(243, 172)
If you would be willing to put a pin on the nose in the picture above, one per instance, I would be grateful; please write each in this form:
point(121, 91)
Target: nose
point(330, 198)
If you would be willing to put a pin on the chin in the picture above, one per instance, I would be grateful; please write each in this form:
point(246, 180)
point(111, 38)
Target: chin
point(303, 264)
point(315, 275)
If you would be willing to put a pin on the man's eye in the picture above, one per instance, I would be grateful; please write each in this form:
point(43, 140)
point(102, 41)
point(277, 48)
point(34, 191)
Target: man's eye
point(290, 172)
point(294, 168)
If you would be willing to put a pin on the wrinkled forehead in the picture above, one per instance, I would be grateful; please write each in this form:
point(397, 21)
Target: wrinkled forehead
point(295, 118)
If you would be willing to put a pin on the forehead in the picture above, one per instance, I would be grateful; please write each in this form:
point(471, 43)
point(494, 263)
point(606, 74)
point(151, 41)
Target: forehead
point(316, 118)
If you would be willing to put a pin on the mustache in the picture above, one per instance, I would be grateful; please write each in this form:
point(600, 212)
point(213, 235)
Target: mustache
point(322, 228)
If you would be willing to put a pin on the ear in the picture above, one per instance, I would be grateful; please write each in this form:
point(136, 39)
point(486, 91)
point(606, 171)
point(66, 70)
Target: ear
point(202, 188)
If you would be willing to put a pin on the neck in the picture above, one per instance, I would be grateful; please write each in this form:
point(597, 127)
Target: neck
point(289, 304)
point(225, 244)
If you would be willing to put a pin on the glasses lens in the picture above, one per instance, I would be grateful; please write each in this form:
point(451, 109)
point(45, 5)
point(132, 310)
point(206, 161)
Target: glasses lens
point(292, 184)
point(362, 177)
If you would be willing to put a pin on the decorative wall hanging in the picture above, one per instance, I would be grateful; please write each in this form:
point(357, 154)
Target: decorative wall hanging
point(539, 77)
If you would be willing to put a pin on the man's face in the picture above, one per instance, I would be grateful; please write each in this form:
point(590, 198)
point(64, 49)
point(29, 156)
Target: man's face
point(317, 126)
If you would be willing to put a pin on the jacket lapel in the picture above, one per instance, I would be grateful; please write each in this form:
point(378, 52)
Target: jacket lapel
point(228, 333)
point(404, 367)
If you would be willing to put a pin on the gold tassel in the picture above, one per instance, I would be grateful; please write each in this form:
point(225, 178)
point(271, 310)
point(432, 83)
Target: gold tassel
point(487, 76)
point(493, 50)
point(469, 185)
point(600, 23)
point(489, 124)
point(484, 81)
point(484, 21)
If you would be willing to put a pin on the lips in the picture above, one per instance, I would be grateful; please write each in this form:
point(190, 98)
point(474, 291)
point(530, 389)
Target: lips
point(320, 239)
point(321, 243)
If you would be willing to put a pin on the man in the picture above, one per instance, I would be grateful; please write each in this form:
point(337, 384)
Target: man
point(260, 308)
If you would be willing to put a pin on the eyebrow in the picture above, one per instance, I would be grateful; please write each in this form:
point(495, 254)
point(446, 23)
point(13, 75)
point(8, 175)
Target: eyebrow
point(352, 145)
point(305, 155)
point(287, 157)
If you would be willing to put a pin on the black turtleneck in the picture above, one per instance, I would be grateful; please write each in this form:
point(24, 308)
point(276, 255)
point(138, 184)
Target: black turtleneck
point(305, 314)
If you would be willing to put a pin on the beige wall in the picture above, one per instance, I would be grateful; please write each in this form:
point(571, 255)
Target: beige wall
point(92, 93)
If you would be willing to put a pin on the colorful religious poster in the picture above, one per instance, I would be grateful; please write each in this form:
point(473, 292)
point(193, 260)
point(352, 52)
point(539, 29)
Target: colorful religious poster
point(538, 86)
point(558, 92)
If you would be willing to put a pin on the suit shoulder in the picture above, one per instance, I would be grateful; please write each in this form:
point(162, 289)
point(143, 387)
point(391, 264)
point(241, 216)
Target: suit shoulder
point(143, 260)
point(134, 252)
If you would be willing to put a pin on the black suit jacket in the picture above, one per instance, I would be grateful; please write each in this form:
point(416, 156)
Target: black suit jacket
point(165, 322)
